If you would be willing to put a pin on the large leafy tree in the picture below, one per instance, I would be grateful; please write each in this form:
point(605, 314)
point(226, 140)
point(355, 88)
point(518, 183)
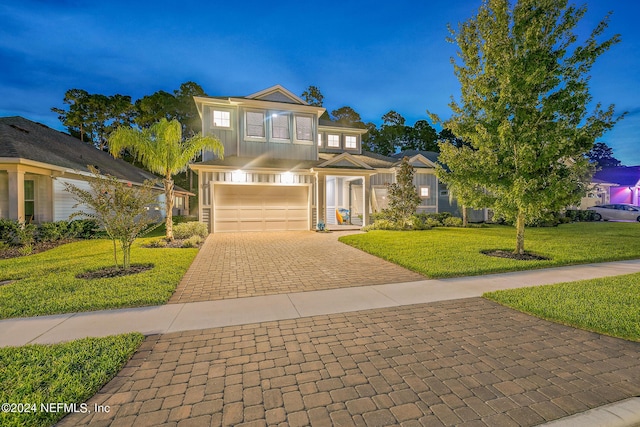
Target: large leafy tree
point(601, 155)
point(92, 117)
point(152, 108)
point(187, 111)
point(313, 96)
point(347, 116)
point(524, 107)
point(162, 150)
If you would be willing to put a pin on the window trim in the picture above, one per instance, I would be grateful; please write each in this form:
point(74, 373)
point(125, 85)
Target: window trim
point(329, 135)
point(424, 187)
point(320, 140)
point(246, 126)
point(273, 114)
point(213, 120)
point(31, 200)
point(295, 129)
point(355, 144)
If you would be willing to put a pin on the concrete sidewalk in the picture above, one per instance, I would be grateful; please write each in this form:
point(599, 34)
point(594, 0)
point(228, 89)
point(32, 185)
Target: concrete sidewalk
point(210, 314)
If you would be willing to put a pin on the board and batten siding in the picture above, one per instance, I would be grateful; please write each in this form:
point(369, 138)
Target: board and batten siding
point(236, 143)
point(228, 137)
point(382, 179)
point(63, 201)
point(428, 204)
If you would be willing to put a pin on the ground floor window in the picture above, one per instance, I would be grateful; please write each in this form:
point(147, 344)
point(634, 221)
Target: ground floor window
point(29, 200)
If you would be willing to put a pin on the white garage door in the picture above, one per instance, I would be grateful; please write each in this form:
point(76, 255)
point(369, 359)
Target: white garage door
point(260, 208)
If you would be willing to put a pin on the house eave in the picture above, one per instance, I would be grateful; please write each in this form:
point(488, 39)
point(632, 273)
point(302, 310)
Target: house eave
point(257, 103)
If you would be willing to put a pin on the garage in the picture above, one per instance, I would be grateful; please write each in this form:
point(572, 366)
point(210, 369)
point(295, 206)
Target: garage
point(260, 208)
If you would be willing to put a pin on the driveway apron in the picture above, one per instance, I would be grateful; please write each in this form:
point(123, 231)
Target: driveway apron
point(466, 362)
point(236, 265)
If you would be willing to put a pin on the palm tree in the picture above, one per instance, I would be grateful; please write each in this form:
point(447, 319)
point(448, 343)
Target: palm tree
point(161, 149)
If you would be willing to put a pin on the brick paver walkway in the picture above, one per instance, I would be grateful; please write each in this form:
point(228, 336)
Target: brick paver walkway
point(466, 362)
point(236, 265)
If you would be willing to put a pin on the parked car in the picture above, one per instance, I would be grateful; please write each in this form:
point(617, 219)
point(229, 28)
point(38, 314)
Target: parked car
point(616, 212)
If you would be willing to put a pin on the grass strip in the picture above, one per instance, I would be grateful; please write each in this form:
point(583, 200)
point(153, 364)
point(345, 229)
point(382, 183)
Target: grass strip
point(72, 372)
point(609, 305)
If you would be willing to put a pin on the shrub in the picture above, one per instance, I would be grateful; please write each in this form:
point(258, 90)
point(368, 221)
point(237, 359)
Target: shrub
point(382, 224)
point(192, 242)
point(179, 219)
point(52, 231)
point(158, 243)
point(452, 221)
point(580, 215)
point(83, 228)
point(25, 250)
point(187, 230)
point(8, 228)
point(23, 235)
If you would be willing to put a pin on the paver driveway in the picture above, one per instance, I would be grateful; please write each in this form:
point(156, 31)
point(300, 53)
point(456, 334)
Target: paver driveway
point(236, 265)
point(467, 362)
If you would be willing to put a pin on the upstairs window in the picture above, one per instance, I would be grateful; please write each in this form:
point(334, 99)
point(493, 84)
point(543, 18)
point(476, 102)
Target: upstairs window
point(333, 141)
point(221, 119)
point(424, 192)
point(319, 140)
point(350, 142)
point(255, 124)
point(280, 126)
point(304, 128)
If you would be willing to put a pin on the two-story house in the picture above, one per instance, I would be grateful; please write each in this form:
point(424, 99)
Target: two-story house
point(285, 169)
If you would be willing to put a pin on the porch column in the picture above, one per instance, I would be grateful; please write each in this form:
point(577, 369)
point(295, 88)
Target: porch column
point(322, 198)
point(366, 189)
point(16, 195)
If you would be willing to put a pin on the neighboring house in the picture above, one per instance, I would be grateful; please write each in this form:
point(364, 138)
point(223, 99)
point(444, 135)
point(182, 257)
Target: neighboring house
point(36, 161)
point(619, 184)
point(284, 169)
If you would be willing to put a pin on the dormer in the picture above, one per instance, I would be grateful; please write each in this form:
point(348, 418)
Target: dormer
point(336, 138)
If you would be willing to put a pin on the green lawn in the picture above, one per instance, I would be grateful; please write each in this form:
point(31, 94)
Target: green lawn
point(61, 373)
point(450, 252)
point(609, 305)
point(45, 283)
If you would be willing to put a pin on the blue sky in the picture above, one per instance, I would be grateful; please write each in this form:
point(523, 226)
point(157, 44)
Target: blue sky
point(373, 56)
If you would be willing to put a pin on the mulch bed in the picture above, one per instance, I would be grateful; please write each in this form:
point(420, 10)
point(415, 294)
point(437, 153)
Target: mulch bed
point(109, 272)
point(527, 256)
point(14, 251)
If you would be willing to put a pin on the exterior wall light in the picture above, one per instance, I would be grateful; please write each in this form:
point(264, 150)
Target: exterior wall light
point(238, 176)
point(286, 178)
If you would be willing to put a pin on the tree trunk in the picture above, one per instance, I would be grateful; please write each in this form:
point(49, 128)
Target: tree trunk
point(126, 255)
point(519, 234)
point(465, 216)
point(115, 253)
point(168, 195)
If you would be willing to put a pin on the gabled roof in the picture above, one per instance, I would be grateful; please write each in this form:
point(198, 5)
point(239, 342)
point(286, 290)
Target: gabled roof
point(279, 94)
point(432, 156)
point(626, 176)
point(373, 160)
point(23, 139)
point(344, 160)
